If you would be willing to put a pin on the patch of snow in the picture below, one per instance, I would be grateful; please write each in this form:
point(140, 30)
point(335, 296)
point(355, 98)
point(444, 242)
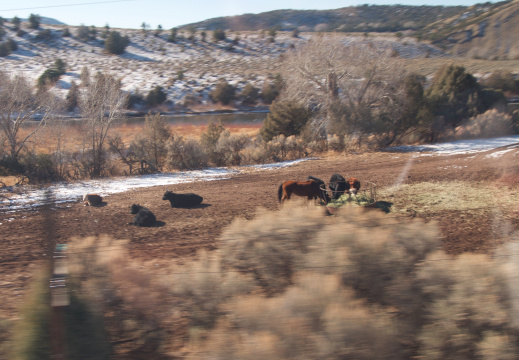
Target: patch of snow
point(278, 165)
point(498, 153)
point(460, 147)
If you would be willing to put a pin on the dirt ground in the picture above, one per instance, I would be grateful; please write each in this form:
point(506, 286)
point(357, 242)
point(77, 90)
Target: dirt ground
point(181, 232)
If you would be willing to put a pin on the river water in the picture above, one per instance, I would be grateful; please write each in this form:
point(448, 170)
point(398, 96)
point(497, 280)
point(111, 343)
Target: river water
point(204, 119)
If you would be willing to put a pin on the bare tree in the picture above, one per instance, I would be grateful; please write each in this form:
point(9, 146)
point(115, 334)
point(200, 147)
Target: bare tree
point(358, 81)
point(101, 103)
point(19, 104)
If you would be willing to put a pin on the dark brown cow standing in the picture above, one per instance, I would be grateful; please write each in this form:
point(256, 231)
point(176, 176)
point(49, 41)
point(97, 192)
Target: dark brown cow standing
point(309, 188)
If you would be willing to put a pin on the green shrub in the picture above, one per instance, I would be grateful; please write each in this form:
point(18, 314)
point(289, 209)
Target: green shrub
point(115, 43)
point(249, 94)
point(271, 90)
point(223, 93)
point(34, 21)
point(72, 97)
point(173, 35)
point(156, 96)
point(86, 337)
point(219, 35)
point(40, 168)
point(60, 66)
point(44, 35)
point(285, 118)
point(491, 98)
point(16, 22)
point(4, 49)
point(49, 77)
point(83, 33)
point(453, 95)
point(11, 44)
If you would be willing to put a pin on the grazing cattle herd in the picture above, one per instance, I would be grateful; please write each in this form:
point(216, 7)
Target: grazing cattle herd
point(312, 188)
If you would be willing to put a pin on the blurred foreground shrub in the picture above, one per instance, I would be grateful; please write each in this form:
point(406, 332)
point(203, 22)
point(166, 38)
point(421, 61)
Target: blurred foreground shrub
point(296, 284)
point(356, 285)
point(84, 334)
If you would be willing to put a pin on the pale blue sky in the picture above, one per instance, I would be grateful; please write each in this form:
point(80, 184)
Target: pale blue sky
point(172, 13)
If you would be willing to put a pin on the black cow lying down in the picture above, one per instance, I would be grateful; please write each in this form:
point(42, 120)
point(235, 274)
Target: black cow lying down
point(143, 216)
point(182, 200)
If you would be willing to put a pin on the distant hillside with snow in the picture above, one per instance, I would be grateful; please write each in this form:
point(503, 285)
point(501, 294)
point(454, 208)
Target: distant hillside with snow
point(362, 18)
point(47, 21)
point(186, 68)
point(487, 31)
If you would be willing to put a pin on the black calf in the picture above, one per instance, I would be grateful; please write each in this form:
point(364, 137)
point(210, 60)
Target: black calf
point(143, 216)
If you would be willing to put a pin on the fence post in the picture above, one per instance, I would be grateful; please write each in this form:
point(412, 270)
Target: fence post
point(59, 301)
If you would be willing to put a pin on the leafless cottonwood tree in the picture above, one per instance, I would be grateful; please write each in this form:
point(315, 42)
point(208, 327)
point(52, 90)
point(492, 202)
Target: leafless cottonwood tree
point(152, 142)
point(101, 102)
point(348, 84)
point(18, 105)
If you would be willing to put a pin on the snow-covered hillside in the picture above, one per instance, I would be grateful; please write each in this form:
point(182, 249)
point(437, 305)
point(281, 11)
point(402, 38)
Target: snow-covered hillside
point(180, 68)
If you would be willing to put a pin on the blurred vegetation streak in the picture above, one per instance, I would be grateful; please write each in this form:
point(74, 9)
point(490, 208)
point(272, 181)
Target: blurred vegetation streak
point(297, 284)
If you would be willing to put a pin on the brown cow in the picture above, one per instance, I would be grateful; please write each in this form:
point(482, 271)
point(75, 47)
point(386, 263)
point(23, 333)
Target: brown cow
point(353, 185)
point(308, 188)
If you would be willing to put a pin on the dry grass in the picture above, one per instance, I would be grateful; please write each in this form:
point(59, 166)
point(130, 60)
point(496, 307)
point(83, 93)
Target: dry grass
point(431, 197)
point(73, 136)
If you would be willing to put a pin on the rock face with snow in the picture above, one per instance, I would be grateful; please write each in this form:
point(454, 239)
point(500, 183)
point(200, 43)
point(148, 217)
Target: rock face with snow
point(185, 69)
